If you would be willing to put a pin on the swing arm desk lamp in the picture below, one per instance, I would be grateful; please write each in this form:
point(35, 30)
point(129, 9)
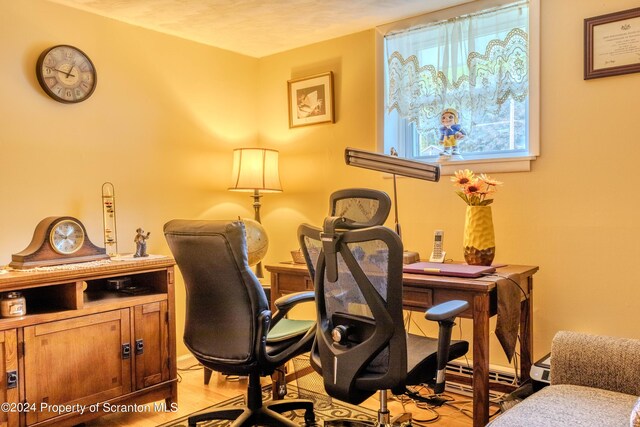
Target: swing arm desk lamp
point(395, 166)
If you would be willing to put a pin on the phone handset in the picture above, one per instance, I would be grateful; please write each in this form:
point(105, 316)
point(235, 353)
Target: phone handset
point(438, 253)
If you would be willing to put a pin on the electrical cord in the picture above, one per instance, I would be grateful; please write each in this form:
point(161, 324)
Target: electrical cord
point(526, 296)
point(426, 403)
point(194, 367)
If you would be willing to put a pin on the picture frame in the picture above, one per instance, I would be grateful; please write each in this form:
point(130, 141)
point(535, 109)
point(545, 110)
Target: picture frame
point(311, 100)
point(612, 44)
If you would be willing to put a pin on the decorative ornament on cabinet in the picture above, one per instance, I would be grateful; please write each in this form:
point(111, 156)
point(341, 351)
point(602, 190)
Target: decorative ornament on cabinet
point(109, 218)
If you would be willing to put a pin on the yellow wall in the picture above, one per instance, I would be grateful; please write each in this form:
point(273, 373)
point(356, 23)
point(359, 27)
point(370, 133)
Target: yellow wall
point(167, 113)
point(574, 214)
point(160, 126)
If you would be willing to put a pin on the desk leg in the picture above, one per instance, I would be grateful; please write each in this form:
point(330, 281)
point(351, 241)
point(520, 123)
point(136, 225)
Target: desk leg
point(526, 333)
point(480, 360)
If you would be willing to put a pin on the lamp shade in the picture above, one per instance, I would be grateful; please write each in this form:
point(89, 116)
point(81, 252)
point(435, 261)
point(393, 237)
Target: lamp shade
point(255, 169)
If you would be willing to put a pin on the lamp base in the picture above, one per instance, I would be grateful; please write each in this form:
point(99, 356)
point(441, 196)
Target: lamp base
point(409, 257)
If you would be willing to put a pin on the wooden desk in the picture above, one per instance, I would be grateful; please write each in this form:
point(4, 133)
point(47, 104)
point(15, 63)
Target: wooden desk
point(422, 291)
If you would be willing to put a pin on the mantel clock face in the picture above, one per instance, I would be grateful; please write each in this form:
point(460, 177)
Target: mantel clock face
point(66, 237)
point(66, 74)
point(58, 240)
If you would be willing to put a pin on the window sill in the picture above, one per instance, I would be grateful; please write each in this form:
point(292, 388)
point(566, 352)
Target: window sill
point(495, 165)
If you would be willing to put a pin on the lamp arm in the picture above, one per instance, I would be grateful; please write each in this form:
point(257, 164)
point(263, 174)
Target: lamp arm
point(395, 207)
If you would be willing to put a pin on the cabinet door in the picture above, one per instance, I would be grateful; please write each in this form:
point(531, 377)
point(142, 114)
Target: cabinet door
point(9, 372)
point(151, 346)
point(77, 361)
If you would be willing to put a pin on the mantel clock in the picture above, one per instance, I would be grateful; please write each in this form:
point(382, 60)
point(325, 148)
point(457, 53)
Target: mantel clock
point(58, 240)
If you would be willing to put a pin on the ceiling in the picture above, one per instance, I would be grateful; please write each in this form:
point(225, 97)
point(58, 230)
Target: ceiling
point(258, 28)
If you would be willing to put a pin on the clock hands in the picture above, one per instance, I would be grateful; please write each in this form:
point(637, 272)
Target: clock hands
point(68, 73)
point(70, 70)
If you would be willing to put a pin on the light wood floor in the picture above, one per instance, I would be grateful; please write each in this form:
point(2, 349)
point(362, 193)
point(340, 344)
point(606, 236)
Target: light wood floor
point(193, 396)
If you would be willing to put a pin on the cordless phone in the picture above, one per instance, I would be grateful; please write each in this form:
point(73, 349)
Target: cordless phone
point(438, 253)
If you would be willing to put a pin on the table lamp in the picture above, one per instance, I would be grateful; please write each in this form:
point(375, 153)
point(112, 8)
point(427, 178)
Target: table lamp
point(256, 170)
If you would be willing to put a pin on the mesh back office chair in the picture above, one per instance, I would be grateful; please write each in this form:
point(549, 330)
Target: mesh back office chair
point(228, 317)
point(362, 207)
point(361, 344)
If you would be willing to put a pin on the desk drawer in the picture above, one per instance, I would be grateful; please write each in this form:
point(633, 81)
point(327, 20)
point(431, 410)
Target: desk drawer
point(417, 299)
point(288, 283)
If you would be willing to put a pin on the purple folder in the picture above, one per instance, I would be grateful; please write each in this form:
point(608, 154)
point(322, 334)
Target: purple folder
point(443, 269)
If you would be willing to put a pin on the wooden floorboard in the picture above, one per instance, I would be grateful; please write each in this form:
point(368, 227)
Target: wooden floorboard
point(193, 396)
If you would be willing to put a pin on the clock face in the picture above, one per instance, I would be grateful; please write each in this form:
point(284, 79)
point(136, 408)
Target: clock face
point(66, 237)
point(66, 74)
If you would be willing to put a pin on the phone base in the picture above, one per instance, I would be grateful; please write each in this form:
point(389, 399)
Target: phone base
point(440, 258)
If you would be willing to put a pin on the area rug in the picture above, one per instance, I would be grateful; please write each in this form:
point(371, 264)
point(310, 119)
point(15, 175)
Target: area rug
point(324, 407)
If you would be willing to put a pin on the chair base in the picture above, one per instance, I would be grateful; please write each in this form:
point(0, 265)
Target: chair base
point(384, 418)
point(256, 412)
point(268, 414)
point(403, 420)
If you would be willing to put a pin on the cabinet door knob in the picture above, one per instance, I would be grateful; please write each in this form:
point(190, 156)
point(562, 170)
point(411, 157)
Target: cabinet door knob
point(126, 351)
point(12, 379)
point(139, 346)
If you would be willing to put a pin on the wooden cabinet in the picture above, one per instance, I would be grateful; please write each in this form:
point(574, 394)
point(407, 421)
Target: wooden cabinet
point(76, 361)
point(9, 373)
point(82, 347)
point(150, 344)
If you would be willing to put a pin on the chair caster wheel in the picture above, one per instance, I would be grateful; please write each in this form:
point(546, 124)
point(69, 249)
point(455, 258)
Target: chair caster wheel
point(309, 419)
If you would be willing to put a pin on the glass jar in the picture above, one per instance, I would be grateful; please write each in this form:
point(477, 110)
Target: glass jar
point(13, 304)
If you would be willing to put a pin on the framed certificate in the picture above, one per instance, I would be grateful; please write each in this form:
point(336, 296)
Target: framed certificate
point(612, 44)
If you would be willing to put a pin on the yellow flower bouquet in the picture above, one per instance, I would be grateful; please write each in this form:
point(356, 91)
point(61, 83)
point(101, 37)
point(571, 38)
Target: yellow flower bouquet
point(474, 189)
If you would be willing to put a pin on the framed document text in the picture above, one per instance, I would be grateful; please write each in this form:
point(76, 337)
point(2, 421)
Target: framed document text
point(612, 44)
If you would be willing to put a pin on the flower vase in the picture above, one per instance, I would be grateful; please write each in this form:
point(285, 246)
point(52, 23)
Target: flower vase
point(479, 241)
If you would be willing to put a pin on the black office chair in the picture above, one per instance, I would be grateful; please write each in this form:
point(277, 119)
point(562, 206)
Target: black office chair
point(228, 318)
point(362, 207)
point(361, 344)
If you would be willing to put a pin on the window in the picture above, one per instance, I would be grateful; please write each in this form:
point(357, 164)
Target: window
point(460, 88)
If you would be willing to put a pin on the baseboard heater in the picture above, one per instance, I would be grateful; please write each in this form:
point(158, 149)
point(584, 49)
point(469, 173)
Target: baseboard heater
point(499, 377)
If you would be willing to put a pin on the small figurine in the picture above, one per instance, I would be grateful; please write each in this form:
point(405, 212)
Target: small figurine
point(450, 132)
point(141, 243)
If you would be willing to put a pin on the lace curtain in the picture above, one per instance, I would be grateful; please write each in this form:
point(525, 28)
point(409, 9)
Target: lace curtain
point(476, 64)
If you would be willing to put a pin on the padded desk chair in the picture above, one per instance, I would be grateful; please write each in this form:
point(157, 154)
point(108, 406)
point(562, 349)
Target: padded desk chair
point(228, 318)
point(361, 344)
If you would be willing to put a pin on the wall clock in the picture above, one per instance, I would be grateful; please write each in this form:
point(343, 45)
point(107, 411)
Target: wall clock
point(58, 240)
point(66, 74)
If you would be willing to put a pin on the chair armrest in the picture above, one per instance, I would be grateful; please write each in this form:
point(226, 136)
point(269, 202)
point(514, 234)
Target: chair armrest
point(446, 310)
point(287, 302)
point(596, 361)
